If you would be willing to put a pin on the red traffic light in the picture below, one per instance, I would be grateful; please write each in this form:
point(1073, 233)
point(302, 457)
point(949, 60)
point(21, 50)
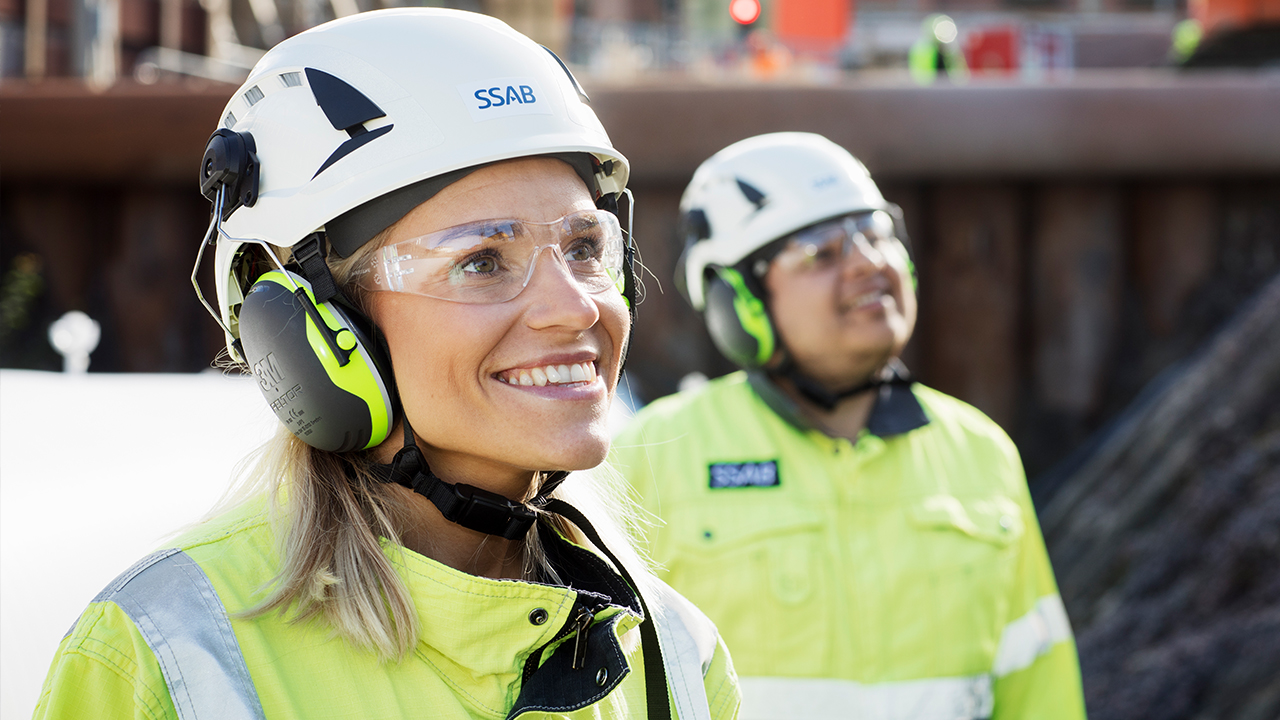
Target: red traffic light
point(744, 12)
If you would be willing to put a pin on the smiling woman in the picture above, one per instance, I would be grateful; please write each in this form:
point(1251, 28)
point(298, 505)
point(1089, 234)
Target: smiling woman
point(434, 294)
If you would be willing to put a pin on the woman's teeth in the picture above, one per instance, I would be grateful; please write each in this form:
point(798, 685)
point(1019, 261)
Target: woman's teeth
point(551, 375)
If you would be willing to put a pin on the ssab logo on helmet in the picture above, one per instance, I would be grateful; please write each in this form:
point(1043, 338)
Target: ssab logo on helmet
point(503, 97)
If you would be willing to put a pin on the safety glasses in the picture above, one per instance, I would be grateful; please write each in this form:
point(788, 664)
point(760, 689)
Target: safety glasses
point(826, 245)
point(492, 261)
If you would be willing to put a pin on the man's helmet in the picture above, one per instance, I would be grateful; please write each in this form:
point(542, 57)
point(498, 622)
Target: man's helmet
point(741, 201)
point(339, 132)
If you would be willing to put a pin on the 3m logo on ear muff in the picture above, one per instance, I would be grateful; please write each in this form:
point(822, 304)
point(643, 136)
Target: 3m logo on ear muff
point(268, 373)
point(737, 320)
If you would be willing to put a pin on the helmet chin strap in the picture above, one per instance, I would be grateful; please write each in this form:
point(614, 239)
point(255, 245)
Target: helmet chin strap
point(469, 506)
point(893, 373)
point(493, 514)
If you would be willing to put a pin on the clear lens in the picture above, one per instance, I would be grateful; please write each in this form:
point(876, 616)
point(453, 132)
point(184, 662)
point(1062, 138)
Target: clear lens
point(491, 261)
point(826, 245)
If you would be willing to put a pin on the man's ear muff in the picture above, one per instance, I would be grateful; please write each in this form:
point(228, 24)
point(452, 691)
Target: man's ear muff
point(316, 365)
point(900, 231)
point(737, 320)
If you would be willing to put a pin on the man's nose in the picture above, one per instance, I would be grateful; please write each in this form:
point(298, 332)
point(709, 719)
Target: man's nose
point(860, 254)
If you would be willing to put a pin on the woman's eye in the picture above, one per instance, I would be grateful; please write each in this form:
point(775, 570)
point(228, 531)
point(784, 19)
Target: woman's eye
point(483, 265)
point(583, 250)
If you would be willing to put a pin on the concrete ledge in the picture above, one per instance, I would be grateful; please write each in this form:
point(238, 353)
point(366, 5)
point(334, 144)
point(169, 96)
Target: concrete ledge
point(1133, 123)
point(1099, 123)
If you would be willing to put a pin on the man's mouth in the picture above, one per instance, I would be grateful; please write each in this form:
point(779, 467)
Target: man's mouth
point(583, 372)
point(865, 299)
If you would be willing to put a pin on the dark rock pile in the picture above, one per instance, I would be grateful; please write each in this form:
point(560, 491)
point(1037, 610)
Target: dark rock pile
point(1166, 537)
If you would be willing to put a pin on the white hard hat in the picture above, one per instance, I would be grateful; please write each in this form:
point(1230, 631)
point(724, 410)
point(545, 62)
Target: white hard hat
point(357, 108)
point(761, 189)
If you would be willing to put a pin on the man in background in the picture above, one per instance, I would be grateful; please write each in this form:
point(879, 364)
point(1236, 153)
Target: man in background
point(866, 545)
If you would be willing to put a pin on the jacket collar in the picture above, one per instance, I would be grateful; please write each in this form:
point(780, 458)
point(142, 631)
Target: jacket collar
point(485, 635)
point(896, 411)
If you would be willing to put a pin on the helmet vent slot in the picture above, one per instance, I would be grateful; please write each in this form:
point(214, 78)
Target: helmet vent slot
point(253, 95)
point(291, 79)
point(229, 121)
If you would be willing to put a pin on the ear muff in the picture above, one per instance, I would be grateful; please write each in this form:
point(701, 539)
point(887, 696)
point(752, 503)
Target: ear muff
point(328, 385)
point(737, 320)
point(900, 231)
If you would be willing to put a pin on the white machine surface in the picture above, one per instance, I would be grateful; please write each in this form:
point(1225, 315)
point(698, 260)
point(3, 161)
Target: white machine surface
point(95, 471)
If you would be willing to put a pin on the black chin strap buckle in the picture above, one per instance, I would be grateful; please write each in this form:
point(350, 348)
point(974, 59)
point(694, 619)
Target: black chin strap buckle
point(469, 506)
point(487, 512)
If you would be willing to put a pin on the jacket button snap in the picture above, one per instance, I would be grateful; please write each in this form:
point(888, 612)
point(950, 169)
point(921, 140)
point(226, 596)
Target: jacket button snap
point(538, 616)
point(602, 676)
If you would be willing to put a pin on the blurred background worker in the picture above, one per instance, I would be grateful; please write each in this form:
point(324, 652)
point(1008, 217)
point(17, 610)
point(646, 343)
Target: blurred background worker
point(866, 545)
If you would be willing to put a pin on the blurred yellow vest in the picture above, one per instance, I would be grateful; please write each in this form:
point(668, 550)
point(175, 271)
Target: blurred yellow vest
point(903, 576)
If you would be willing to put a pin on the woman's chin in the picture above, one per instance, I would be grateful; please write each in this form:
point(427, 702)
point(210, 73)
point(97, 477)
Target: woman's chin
point(583, 454)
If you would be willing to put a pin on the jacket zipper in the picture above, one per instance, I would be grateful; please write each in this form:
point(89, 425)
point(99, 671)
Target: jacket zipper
point(581, 624)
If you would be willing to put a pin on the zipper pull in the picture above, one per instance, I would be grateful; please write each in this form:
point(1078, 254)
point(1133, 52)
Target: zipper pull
point(581, 623)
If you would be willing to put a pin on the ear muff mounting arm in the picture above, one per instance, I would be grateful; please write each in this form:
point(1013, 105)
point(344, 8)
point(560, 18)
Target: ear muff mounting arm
point(310, 256)
point(230, 163)
point(211, 238)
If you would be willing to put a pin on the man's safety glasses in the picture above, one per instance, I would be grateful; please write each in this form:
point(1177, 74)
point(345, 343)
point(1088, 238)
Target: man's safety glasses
point(826, 245)
point(491, 261)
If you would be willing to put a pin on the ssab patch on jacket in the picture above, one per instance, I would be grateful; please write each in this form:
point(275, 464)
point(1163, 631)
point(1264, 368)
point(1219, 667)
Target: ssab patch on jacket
point(740, 475)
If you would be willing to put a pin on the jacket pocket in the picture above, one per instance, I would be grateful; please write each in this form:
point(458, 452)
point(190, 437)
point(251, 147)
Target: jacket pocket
point(997, 520)
point(958, 564)
point(757, 570)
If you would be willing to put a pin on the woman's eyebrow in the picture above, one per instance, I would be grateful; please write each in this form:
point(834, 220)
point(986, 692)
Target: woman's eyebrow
point(583, 223)
point(482, 228)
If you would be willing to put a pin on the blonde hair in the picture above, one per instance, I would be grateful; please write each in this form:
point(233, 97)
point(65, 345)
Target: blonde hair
point(334, 519)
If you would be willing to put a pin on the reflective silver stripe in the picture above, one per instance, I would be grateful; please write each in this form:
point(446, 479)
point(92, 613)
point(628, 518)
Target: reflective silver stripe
point(1032, 635)
point(178, 613)
point(688, 642)
point(779, 698)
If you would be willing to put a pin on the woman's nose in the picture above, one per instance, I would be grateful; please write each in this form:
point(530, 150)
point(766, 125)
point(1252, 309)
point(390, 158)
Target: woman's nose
point(554, 295)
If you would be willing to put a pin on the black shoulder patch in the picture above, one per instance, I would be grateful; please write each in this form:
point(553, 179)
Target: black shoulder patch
point(723, 476)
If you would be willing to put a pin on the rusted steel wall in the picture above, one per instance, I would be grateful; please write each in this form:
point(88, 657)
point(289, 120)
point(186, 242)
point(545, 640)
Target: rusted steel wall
point(1072, 239)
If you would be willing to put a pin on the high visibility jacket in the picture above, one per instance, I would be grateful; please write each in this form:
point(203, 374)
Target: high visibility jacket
point(899, 577)
point(164, 641)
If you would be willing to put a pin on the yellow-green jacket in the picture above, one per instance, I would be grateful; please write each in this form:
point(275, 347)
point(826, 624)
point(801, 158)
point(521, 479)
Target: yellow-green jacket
point(902, 576)
point(159, 643)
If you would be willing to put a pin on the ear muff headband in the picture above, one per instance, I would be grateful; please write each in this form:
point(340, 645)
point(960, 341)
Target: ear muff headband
point(331, 395)
point(738, 320)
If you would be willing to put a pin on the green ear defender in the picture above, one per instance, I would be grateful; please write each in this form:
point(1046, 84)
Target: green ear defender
point(316, 365)
point(900, 232)
point(737, 320)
